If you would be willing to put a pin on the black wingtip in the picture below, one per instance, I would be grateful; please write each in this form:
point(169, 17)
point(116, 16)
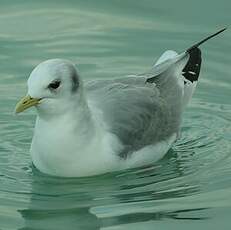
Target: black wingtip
point(191, 70)
point(206, 39)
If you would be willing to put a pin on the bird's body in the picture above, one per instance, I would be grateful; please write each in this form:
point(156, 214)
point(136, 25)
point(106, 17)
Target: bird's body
point(116, 120)
point(87, 128)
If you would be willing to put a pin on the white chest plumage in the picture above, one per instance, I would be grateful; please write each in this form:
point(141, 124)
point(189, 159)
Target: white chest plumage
point(59, 149)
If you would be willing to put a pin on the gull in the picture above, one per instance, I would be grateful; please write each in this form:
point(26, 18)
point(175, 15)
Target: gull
point(84, 128)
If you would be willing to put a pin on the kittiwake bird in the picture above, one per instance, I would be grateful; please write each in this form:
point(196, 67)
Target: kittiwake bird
point(94, 127)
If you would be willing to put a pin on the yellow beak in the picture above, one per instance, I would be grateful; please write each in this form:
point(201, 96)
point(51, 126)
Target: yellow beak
point(25, 103)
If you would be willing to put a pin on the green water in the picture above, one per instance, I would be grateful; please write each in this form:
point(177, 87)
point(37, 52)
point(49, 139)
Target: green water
point(190, 188)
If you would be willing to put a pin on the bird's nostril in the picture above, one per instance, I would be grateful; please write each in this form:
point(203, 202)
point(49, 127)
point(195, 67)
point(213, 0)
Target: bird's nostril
point(24, 102)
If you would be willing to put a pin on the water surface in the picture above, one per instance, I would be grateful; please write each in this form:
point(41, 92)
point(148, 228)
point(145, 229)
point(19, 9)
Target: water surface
point(190, 188)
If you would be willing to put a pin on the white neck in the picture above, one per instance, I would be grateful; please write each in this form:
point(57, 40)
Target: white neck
point(71, 144)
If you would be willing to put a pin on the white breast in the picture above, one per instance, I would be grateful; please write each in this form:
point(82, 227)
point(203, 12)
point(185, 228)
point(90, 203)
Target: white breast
point(59, 149)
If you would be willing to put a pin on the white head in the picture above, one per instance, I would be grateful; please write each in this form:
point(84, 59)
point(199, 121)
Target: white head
point(51, 88)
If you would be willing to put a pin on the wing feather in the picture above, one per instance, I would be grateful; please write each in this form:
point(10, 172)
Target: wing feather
point(134, 110)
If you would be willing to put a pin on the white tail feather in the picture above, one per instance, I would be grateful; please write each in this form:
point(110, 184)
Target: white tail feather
point(169, 54)
point(187, 86)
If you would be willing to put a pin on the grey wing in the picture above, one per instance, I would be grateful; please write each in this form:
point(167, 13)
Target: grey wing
point(142, 110)
point(138, 111)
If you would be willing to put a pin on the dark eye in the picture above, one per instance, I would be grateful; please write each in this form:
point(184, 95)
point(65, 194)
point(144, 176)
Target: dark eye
point(54, 84)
